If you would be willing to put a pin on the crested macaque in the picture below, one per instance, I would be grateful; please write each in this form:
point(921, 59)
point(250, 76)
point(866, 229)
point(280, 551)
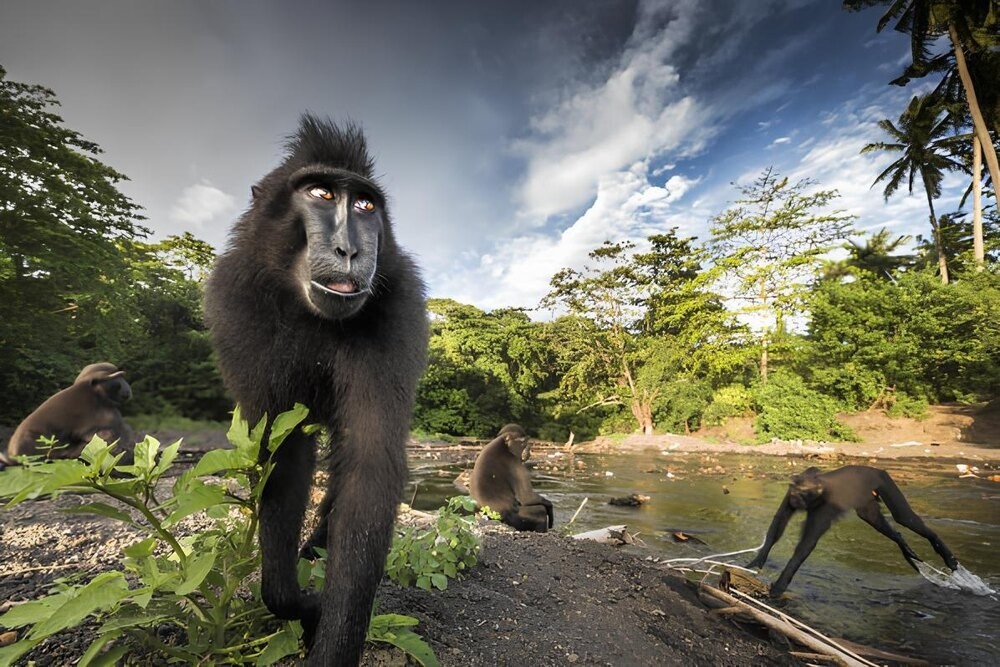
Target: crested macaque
point(501, 482)
point(74, 415)
point(825, 496)
point(314, 302)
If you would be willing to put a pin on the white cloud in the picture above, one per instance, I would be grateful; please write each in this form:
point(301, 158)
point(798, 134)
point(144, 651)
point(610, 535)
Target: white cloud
point(201, 203)
point(779, 141)
point(636, 113)
point(626, 207)
point(834, 161)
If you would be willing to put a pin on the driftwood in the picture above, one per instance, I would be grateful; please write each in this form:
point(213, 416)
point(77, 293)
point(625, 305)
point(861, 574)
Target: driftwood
point(781, 626)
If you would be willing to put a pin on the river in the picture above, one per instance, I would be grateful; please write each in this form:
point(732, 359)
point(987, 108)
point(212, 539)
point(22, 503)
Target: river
point(856, 583)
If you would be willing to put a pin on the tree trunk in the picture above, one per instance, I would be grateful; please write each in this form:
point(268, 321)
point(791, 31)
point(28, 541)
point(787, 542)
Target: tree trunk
point(936, 230)
point(643, 413)
point(763, 359)
point(978, 249)
point(978, 122)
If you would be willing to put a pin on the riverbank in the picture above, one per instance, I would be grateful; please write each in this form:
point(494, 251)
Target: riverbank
point(954, 431)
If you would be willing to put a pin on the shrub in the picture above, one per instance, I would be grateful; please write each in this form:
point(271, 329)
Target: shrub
point(905, 405)
point(788, 410)
point(428, 557)
point(730, 401)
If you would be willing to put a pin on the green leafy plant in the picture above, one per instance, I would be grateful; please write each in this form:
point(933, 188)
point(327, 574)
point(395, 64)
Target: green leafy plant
point(394, 629)
point(788, 409)
point(428, 557)
point(730, 401)
point(198, 588)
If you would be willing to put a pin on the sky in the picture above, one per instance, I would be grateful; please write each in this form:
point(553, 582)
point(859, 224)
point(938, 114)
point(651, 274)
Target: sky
point(513, 136)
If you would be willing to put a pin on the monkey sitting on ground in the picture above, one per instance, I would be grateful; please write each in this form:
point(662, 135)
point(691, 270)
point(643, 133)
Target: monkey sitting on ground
point(75, 415)
point(314, 302)
point(501, 482)
point(826, 496)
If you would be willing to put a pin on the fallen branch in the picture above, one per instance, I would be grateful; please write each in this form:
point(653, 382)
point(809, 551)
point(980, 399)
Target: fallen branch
point(787, 629)
point(842, 647)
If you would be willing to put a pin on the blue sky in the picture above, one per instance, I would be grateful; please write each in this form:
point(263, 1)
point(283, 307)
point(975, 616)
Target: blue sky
point(513, 136)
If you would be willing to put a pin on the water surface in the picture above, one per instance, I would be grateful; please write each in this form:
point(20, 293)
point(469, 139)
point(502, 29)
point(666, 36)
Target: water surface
point(856, 583)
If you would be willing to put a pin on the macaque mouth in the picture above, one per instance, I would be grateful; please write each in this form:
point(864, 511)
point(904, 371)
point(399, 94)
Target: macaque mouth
point(338, 287)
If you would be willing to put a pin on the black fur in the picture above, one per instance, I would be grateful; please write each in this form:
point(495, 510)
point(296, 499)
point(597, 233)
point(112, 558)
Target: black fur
point(73, 416)
point(353, 358)
point(501, 481)
point(827, 495)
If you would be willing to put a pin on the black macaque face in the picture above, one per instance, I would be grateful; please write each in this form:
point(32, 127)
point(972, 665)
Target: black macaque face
point(341, 214)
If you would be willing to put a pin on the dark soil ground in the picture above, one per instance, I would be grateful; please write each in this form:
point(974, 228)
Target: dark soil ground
point(533, 599)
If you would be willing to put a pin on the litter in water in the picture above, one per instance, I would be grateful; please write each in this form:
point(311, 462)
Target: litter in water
point(959, 580)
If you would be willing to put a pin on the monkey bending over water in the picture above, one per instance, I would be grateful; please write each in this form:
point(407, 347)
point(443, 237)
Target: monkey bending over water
point(826, 496)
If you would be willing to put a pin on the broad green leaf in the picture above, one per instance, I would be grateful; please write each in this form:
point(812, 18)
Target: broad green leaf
point(283, 644)
point(106, 589)
point(166, 458)
point(221, 459)
point(27, 613)
point(284, 424)
point(410, 643)
point(88, 657)
point(130, 617)
point(198, 568)
point(142, 549)
point(145, 456)
point(102, 509)
point(439, 580)
point(239, 433)
point(53, 477)
point(386, 621)
point(196, 496)
point(95, 451)
point(16, 479)
point(10, 654)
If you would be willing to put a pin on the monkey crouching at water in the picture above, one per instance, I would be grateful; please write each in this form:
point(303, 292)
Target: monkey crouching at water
point(825, 496)
point(501, 482)
point(73, 416)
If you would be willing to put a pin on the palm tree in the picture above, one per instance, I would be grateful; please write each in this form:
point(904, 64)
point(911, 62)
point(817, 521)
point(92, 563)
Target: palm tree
point(972, 27)
point(924, 138)
point(878, 254)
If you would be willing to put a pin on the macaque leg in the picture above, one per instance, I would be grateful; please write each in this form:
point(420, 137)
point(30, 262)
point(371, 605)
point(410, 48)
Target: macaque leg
point(905, 516)
point(817, 523)
point(872, 515)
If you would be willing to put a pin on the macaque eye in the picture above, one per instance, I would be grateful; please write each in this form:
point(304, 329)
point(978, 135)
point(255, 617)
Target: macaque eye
point(364, 205)
point(320, 193)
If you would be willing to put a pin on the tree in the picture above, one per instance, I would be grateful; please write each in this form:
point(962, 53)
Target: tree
point(486, 369)
point(914, 335)
point(169, 357)
point(972, 28)
point(62, 225)
point(768, 247)
point(609, 298)
point(924, 138)
point(879, 255)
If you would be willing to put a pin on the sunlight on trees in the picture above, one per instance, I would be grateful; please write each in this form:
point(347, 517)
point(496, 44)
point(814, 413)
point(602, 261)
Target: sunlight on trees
point(767, 248)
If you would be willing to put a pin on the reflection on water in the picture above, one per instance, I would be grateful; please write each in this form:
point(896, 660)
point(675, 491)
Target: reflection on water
point(854, 585)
